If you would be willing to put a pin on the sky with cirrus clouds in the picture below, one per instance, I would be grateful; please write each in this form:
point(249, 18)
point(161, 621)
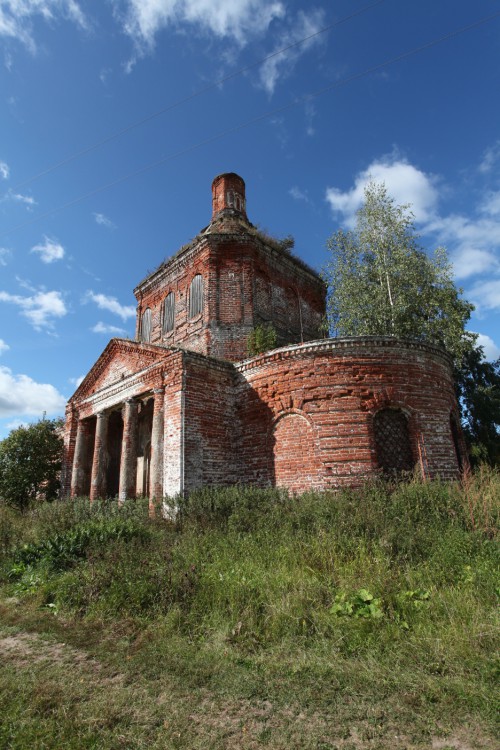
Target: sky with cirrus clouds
point(116, 116)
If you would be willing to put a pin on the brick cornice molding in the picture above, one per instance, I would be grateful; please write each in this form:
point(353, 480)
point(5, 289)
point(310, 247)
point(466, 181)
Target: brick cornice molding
point(182, 259)
point(355, 345)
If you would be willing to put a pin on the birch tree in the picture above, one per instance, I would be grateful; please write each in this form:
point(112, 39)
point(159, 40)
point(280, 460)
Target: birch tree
point(381, 282)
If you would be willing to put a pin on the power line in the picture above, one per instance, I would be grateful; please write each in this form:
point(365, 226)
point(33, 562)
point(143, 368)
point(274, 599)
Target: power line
point(185, 100)
point(257, 119)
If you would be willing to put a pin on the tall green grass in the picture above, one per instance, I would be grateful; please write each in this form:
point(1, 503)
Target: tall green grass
point(260, 565)
point(393, 588)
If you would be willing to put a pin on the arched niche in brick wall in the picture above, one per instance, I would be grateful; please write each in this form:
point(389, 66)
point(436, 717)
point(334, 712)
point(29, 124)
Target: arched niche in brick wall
point(230, 295)
point(263, 297)
point(293, 445)
point(393, 445)
point(292, 306)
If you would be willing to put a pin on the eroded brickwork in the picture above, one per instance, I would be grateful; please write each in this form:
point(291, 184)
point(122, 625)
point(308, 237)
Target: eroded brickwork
point(338, 386)
point(248, 279)
point(211, 434)
point(185, 408)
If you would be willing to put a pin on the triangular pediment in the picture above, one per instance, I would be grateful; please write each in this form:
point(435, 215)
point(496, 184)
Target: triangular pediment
point(120, 359)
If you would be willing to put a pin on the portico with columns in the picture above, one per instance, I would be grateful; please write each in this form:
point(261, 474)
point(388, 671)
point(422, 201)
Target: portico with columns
point(105, 465)
point(149, 421)
point(115, 427)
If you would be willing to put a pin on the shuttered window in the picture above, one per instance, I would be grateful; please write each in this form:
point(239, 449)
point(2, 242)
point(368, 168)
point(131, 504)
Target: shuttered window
point(169, 313)
point(146, 325)
point(196, 296)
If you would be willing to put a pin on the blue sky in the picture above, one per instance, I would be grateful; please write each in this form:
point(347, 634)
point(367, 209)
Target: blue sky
point(81, 224)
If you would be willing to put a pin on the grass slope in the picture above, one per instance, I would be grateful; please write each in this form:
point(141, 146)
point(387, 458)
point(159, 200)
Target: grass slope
point(363, 619)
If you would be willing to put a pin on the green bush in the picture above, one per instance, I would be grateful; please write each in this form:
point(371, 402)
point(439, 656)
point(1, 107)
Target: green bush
point(62, 550)
point(30, 462)
point(261, 339)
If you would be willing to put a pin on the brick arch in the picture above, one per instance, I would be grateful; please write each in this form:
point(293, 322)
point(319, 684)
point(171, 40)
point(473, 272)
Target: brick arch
point(294, 451)
point(388, 398)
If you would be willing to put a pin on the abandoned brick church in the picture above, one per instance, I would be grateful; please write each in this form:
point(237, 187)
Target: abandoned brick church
point(183, 406)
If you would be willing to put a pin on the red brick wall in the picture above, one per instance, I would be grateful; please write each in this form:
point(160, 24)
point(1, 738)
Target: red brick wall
point(299, 417)
point(295, 458)
point(246, 283)
point(211, 432)
point(337, 386)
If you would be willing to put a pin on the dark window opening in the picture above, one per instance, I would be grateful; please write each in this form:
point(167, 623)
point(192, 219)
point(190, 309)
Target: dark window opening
point(392, 441)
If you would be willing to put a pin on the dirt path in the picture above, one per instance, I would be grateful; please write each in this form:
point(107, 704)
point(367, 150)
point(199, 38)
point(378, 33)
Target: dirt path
point(70, 676)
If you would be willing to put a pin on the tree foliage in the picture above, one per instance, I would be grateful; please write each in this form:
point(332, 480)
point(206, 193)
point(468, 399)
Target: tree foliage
point(478, 389)
point(383, 283)
point(261, 339)
point(30, 462)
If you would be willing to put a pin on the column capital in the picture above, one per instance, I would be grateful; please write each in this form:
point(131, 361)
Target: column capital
point(159, 390)
point(102, 414)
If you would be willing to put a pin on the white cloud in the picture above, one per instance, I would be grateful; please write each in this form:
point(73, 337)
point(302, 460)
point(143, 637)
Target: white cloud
point(10, 195)
point(310, 112)
point(104, 328)
point(281, 64)
point(491, 203)
point(16, 17)
point(15, 424)
point(4, 254)
point(491, 350)
point(405, 183)
point(20, 394)
point(77, 381)
point(298, 194)
point(3, 346)
point(104, 75)
point(41, 309)
point(473, 241)
point(111, 304)
point(237, 20)
point(103, 221)
point(486, 295)
point(471, 261)
point(490, 157)
point(49, 251)
point(4, 170)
